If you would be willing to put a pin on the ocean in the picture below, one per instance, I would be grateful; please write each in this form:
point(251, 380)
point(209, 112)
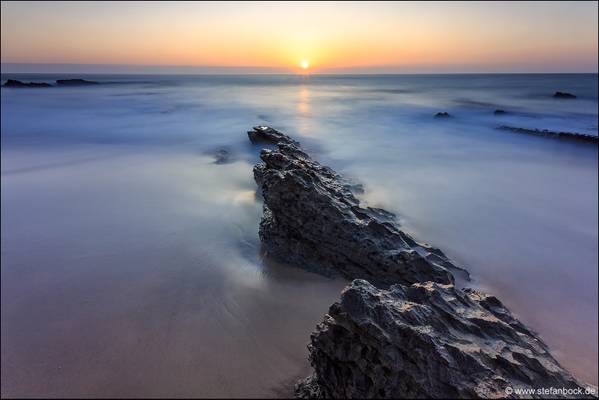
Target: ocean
point(131, 263)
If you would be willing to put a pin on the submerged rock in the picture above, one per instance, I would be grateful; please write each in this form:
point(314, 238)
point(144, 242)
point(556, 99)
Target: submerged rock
point(13, 83)
point(75, 82)
point(426, 340)
point(579, 137)
point(222, 156)
point(563, 95)
point(312, 219)
point(443, 114)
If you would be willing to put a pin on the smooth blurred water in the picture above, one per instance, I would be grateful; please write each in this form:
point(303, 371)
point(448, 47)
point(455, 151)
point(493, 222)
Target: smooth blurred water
point(130, 260)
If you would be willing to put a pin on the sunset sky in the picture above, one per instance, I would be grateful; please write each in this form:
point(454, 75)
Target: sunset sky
point(277, 37)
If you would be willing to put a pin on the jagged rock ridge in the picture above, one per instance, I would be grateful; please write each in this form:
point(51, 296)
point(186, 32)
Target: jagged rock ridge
point(312, 219)
point(417, 335)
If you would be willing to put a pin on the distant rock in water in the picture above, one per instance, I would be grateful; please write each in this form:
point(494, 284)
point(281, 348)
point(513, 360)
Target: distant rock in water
point(312, 219)
point(442, 115)
point(426, 340)
point(563, 95)
point(75, 82)
point(13, 83)
point(499, 112)
point(222, 156)
point(579, 137)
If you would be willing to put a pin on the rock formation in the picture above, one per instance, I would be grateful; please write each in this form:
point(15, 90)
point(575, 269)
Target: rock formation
point(563, 95)
point(222, 156)
point(312, 219)
point(13, 83)
point(75, 82)
point(579, 137)
point(410, 333)
point(265, 134)
point(426, 340)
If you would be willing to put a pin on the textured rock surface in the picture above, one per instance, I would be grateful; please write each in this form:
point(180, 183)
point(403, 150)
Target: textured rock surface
point(265, 134)
point(312, 219)
point(422, 337)
point(425, 340)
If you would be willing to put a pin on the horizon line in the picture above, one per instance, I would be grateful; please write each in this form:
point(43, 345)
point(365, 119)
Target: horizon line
point(163, 69)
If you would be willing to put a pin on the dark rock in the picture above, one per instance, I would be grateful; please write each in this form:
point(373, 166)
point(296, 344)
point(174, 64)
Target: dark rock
point(313, 220)
point(13, 83)
point(75, 82)
point(579, 137)
point(426, 340)
point(222, 156)
point(563, 95)
point(265, 134)
point(442, 115)
point(60, 82)
point(423, 337)
point(499, 112)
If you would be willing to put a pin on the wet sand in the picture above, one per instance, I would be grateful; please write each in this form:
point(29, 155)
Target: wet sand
point(117, 301)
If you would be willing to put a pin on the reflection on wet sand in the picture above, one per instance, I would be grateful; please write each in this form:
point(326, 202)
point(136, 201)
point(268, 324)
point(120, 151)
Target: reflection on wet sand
point(120, 300)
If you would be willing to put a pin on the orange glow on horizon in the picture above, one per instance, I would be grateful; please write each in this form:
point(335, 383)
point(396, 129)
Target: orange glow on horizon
point(321, 36)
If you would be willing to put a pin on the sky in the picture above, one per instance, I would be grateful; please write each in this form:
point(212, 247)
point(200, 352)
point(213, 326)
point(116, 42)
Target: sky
point(388, 37)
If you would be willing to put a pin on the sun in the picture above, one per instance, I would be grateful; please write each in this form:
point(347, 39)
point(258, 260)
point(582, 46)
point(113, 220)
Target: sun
point(305, 64)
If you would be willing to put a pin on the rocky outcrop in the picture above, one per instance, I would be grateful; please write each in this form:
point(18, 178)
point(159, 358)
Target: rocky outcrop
point(266, 134)
point(13, 83)
point(312, 219)
point(410, 333)
point(578, 137)
point(563, 95)
point(75, 82)
point(426, 340)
